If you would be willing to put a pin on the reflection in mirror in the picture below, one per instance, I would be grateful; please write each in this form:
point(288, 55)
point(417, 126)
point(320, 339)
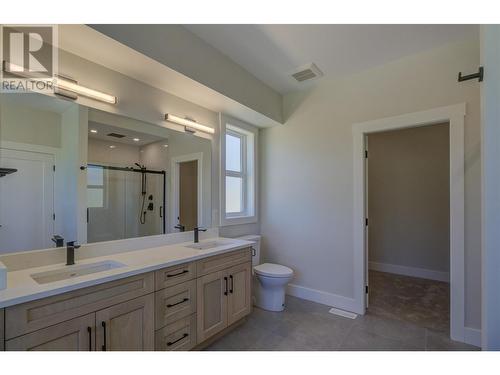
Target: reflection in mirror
point(141, 179)
point(38, 135)
point(144, 180)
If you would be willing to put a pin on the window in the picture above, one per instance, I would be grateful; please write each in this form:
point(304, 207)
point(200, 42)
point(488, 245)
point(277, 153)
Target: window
point(238, 190)
point(95, 187)
point(235, 173)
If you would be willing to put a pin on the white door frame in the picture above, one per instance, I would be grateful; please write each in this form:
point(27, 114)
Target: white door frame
point(454, 115)
point(175, 161)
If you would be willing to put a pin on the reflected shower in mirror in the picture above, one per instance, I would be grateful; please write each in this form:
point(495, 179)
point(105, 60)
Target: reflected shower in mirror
point(143, 179)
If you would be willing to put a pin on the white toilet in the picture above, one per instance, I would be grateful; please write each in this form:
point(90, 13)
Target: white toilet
point(269, 280)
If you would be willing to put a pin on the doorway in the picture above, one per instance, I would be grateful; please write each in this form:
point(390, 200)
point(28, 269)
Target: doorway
point(186, 192)
point(408, 241)
point(454, 115)
point(26, 201)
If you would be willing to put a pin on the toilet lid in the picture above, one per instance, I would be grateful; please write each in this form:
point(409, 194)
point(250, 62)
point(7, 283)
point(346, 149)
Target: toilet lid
point(273, 270)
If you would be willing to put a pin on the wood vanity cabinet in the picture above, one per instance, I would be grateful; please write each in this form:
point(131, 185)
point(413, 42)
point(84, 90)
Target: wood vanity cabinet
point(74, 320)
point(175, 308)
point(77, 334)
point(126, 326)
point(224, 297)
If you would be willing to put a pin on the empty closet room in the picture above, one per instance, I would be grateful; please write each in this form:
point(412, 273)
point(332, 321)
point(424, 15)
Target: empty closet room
point(409, 225)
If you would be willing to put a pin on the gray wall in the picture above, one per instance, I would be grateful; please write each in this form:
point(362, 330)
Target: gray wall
point(307, 166)
point(409, 198)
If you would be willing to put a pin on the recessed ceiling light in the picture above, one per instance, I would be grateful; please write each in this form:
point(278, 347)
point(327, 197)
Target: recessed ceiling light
point(165, 145)
point(112, 146)
point(136, 139)
point(93, 131)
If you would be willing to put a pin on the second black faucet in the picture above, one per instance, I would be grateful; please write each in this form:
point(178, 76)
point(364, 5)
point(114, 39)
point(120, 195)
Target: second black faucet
point(196, 234)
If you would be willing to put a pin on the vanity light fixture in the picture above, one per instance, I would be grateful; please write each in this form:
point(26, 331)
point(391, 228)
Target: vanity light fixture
point(112, 146)
point(93, 131)
point(189, 123)
point(66, 84)
point(136, 139)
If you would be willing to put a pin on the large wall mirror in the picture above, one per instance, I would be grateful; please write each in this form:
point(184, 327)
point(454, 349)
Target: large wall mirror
point(92, 176)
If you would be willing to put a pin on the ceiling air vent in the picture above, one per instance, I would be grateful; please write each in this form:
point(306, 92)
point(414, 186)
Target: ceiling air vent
point(307, 72)
point(116, 135)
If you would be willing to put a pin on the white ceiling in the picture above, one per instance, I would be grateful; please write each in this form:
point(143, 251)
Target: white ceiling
point(271, 52)
point(104, 129)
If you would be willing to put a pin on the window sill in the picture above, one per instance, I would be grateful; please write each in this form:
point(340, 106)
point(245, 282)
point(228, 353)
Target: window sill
point(237, 220)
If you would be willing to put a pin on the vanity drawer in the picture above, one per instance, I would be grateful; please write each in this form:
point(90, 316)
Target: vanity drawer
point(175, 275)
point(223, 261)
point(180, 335)
point(175, 303)
point(34, 315)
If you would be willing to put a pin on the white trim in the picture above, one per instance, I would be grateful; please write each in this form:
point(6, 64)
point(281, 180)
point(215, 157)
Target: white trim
point(472, 336)
point(251, 195)
point(30, 147)
point(319, 296)
point(174, 190)
point(490, 195)
point(410, 271)
point(454, 114)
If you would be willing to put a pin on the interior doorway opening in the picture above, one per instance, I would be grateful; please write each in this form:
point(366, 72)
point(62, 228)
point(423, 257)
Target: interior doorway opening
point(455, 116)
point(408, 230)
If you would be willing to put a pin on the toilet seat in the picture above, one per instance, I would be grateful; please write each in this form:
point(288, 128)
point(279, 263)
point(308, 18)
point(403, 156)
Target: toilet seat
point(273, 270)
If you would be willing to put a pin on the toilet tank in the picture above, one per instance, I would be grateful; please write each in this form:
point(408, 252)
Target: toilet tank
point(255, 238)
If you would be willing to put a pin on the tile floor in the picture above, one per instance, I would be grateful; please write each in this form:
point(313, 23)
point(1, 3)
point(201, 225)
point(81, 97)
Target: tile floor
point(306, 325)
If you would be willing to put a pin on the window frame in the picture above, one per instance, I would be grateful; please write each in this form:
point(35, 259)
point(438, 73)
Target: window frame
point(248, 135)
point(103, 187)
point(242, 174)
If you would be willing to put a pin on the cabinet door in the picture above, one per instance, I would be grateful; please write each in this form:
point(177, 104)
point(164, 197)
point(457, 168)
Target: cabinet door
point(74, 334)
point(127, 326)
point(212, 304)
point(240, 293)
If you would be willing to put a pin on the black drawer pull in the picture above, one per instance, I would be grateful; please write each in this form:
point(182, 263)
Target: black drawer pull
point(178, 274)
point(178, 303)
point(225, 290)
point(104, 343)
point(89, 330)
point(232, 284)
point(170, 343)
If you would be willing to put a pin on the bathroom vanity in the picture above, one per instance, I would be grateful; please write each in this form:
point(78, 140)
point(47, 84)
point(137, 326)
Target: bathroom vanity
point(174, 297)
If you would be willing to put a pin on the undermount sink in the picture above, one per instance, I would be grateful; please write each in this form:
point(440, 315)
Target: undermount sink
point(70, 272)
point(206, 245)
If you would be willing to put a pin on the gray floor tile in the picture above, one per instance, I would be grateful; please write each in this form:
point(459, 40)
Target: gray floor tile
point(439, 341)
point(361, 339)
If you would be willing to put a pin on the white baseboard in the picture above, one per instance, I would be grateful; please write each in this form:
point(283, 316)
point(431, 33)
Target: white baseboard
point(325, 298)
point(410, 271)
point(472, 336)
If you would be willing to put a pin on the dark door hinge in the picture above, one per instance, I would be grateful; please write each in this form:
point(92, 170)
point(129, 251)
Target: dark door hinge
point(54, 168)
point(366, 289)
point(366, 154)
point(366, 221)
point(53, 216)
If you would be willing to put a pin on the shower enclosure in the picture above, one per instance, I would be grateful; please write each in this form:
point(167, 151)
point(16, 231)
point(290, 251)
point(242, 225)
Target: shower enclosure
point(124, 202)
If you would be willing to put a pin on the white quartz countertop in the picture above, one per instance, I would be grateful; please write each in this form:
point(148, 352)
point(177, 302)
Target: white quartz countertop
point(21, 287)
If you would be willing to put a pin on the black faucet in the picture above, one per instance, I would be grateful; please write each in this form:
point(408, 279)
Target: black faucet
point(58, 240)
point(181, 227)
point(196, 234)
point(70, 252)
